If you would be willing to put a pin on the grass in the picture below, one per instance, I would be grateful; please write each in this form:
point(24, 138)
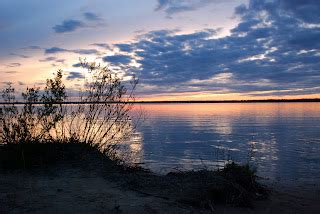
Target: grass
point(235, 185)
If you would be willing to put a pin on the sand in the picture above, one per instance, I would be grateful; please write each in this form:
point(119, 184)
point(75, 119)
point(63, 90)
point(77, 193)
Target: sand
point(71, 189)
point(74, 191)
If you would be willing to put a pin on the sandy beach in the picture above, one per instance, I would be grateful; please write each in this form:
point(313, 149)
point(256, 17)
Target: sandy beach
point(73, 189)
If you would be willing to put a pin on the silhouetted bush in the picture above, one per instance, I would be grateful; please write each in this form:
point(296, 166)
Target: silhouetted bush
point(234, 185)
point(100, 119)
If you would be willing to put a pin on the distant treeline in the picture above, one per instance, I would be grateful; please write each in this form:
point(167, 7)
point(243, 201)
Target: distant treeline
point(183, 101)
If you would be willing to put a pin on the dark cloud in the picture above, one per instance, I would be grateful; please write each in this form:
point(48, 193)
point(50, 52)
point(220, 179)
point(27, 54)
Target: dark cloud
point(14, 64)
point(102, 45)
point(6, 83)
point(68, 26)
point(20, 55)
point(274, 49)
point(306, 10)
point(9, 72)
point(117, 59)
point(176, 6)
point(90, 20)
point(48, 59)
point(78, 65)
point(55, 50)
point(81, 65)
point(52, 59)
point(61, 60)
point(74, 75)
point(85, 51)
point(124, 47)
point(283, 10)
point(91, 16)
point(32, 47)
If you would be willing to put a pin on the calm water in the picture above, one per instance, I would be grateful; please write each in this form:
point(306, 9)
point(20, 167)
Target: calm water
point(281, 139)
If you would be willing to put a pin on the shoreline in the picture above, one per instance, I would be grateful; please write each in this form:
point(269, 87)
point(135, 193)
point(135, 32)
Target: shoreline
point(72, 189)
point(87, 181)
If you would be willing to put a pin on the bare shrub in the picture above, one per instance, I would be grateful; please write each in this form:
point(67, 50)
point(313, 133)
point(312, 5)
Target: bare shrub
point(100, 118)
point(103, 118)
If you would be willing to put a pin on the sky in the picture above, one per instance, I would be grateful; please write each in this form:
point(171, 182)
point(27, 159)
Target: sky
point(178, 49)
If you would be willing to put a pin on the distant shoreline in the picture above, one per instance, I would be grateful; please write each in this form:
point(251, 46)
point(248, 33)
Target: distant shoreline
point(184, 101)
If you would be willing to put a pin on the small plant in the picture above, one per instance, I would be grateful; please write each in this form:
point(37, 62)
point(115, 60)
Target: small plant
point(245, 175)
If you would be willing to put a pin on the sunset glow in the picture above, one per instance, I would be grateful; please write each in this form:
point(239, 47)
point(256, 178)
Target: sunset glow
point(179, 50)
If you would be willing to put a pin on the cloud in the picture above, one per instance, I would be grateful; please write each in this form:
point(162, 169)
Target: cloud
point(74, 75)
point(85, 51)
point(124, 47)
point(52, 59)
point(77, 65)
point(177, 6)
point(5, 83)
point(275, 50)
point(48, 59)
point(13, 65)
point(20, 55)
point(102, 45)
point(68, 26)
point(9, 72)
point(55, 50)
point(306, 10)
point(80, 65)
point(91, 16)
point(117, 59)
point(32, 47)
point(90, 19)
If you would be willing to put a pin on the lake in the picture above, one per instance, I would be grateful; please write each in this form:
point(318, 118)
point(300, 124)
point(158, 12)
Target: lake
point(282, 140)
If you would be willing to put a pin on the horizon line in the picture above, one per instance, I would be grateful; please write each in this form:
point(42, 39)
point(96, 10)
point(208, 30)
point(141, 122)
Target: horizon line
point(176, 101)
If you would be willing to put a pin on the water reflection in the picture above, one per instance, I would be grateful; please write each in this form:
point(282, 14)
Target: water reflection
point(281, 139)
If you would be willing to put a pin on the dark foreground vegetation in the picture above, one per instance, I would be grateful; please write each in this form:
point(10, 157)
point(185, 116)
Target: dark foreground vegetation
point(43, 135)
point(234, 185)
